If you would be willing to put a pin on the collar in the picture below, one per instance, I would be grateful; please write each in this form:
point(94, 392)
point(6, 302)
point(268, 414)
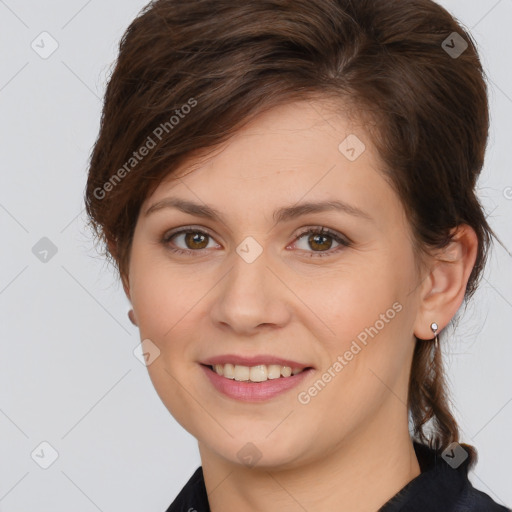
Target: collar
point(439, 487)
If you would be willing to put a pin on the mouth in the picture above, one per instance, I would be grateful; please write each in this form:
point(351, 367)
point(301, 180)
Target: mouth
point(257, 373)
point(256, 383)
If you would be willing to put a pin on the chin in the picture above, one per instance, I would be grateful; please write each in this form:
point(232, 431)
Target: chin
point(259, 452)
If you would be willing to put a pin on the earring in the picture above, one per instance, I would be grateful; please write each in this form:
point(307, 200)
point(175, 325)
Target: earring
point(434, 328)
point(131, 316)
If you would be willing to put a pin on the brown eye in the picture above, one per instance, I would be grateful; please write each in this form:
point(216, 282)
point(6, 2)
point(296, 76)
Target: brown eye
point(320, 240)
point(193, 241)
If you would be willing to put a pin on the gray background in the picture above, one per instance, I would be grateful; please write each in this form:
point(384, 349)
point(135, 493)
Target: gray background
point(68, 375)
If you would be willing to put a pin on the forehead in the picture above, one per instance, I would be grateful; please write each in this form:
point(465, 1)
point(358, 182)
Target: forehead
point(295, 132)
point(298, 151)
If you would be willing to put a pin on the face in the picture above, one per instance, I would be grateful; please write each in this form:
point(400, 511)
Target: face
point(261, 281)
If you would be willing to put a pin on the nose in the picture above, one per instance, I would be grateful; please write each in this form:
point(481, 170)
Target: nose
point(251, 296)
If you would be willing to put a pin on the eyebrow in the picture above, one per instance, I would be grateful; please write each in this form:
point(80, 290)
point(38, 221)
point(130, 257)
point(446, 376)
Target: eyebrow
point(280, 215)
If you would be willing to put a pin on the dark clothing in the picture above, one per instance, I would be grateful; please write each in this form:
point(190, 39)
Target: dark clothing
point(439, 488)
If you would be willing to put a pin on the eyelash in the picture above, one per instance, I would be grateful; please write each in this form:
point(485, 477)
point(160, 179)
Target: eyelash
point(318, 230)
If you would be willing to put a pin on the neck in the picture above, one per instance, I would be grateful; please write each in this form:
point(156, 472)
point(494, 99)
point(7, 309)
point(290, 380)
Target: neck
point(363, 472)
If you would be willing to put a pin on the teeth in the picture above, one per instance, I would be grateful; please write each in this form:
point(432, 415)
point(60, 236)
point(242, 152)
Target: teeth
point(259, 373)
point(228, 371)
point(273, 371)
point(242, 372)
point(286, 371)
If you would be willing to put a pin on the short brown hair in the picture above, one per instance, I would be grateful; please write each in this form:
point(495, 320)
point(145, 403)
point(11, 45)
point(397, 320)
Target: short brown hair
point(227, 61)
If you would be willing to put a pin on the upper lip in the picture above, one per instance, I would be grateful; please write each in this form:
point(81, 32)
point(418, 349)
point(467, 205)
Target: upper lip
point(253, 361)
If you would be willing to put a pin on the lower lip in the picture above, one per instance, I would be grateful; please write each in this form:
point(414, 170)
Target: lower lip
point(254, 391)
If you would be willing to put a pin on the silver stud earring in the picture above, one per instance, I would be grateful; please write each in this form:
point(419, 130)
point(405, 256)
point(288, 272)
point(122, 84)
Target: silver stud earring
point(434, 328)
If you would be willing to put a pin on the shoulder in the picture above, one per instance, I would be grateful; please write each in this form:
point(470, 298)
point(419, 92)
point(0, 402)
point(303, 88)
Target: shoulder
point(193, 497)
point(474, 500)
point(440, 486)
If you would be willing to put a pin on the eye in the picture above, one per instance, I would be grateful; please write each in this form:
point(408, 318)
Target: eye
point(194, 239)
point(318, 240)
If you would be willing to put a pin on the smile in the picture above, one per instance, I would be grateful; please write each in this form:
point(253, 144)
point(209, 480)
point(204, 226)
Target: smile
point(254, 383)
point(258, 373)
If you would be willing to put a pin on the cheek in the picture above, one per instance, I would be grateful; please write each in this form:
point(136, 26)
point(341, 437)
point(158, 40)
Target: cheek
point(365, 358)
point(354, 299)
point(161, 293)
point(369, 310)
point(164, 298)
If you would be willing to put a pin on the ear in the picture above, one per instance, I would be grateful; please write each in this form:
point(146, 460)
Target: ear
point(444, 287)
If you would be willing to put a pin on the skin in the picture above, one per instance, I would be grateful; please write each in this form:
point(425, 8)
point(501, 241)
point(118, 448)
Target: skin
point(350, 444)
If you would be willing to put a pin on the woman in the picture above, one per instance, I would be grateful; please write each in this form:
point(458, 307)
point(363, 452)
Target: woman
point(288, 192)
